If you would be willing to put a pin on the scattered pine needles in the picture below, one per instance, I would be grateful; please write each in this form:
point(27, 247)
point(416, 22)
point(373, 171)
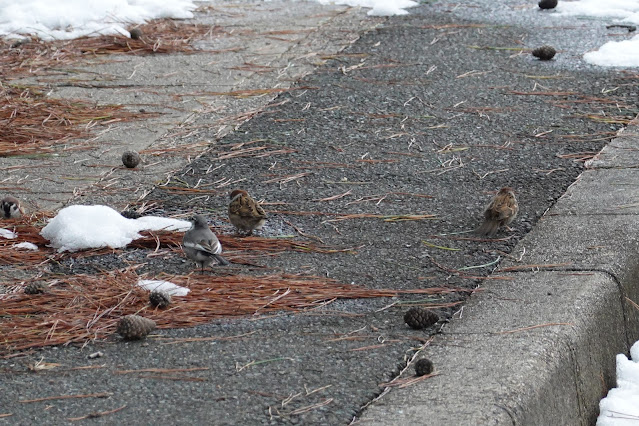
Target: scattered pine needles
point(33, 56)
point(81, 308)
point(237, 249)
point(32, 123)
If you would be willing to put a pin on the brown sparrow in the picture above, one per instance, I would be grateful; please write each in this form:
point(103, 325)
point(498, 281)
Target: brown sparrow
point(11, 207)
point(244, 212)
point(501, 211)
point(201, 245)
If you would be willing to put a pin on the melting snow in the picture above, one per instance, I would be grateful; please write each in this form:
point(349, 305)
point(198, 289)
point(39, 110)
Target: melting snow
point(166, 286)
point(86, 227)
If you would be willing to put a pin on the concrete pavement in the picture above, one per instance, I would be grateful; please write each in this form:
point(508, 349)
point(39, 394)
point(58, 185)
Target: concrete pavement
point(540, 347)
point(533, 348)
point(256, 46)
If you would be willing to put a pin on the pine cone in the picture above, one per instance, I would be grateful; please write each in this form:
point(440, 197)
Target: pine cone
point(420, 318)
point(545, 53)
point(135, 327)
point(423, 366)
point(35, 288)
point(136, 33)
point(131, 159)
point(130, 214)
point(159, 299)
point(547, 4)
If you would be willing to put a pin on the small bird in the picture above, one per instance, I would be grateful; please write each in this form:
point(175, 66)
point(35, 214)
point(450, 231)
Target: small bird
point(201, 245)
point(244, 212)
point(11, 207)
point(501, 211)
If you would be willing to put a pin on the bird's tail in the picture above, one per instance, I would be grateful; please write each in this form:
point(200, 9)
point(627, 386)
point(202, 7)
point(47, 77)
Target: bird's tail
point(488, 228)
point(221, 260)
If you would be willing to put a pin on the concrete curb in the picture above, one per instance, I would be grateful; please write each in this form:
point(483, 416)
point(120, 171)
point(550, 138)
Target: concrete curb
point(538, 347)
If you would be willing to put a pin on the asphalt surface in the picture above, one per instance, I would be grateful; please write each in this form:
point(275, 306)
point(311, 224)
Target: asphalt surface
point(438, 103)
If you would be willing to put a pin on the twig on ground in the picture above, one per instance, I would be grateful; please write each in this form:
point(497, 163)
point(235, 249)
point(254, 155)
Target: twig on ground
point(96, 414)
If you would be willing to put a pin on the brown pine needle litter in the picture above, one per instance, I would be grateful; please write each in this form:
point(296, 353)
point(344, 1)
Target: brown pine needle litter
point(32, 123)
point(33, 56)
point(82, 308)
point(241, 250)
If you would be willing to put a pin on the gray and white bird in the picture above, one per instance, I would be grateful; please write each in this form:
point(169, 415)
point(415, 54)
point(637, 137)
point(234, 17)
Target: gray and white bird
point(201, 245)
point(11, 207)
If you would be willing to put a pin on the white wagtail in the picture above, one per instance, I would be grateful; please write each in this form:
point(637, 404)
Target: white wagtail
point(201, 245)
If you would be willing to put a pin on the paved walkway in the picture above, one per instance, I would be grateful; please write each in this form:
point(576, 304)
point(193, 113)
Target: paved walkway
point(257, 46)
point(421, 115)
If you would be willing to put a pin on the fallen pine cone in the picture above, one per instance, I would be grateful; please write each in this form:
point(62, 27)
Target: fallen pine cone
point(135, 327)
point(136, 33)
point(547, 4)
point(418, 318)
point(131, 159)
point(545, 53)
point(34, 288)
point(130, 214)
point(159, 299)
point(423, 366)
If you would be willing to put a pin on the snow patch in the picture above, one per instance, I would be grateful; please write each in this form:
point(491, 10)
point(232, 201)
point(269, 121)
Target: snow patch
point(5, 233)
point(156, 223)
point(623, 53)
point(165, 286)
point(86, 227)
point(621, 406)
point(26, 246)
point(68, 19)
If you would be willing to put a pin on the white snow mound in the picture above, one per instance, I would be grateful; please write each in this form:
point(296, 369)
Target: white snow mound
point(156, 223)
point(68, 19)
point(25, 245)
point(5, 233)
point(87, 227)
point(165, 286)
point(621, 406)
point(623, 53)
